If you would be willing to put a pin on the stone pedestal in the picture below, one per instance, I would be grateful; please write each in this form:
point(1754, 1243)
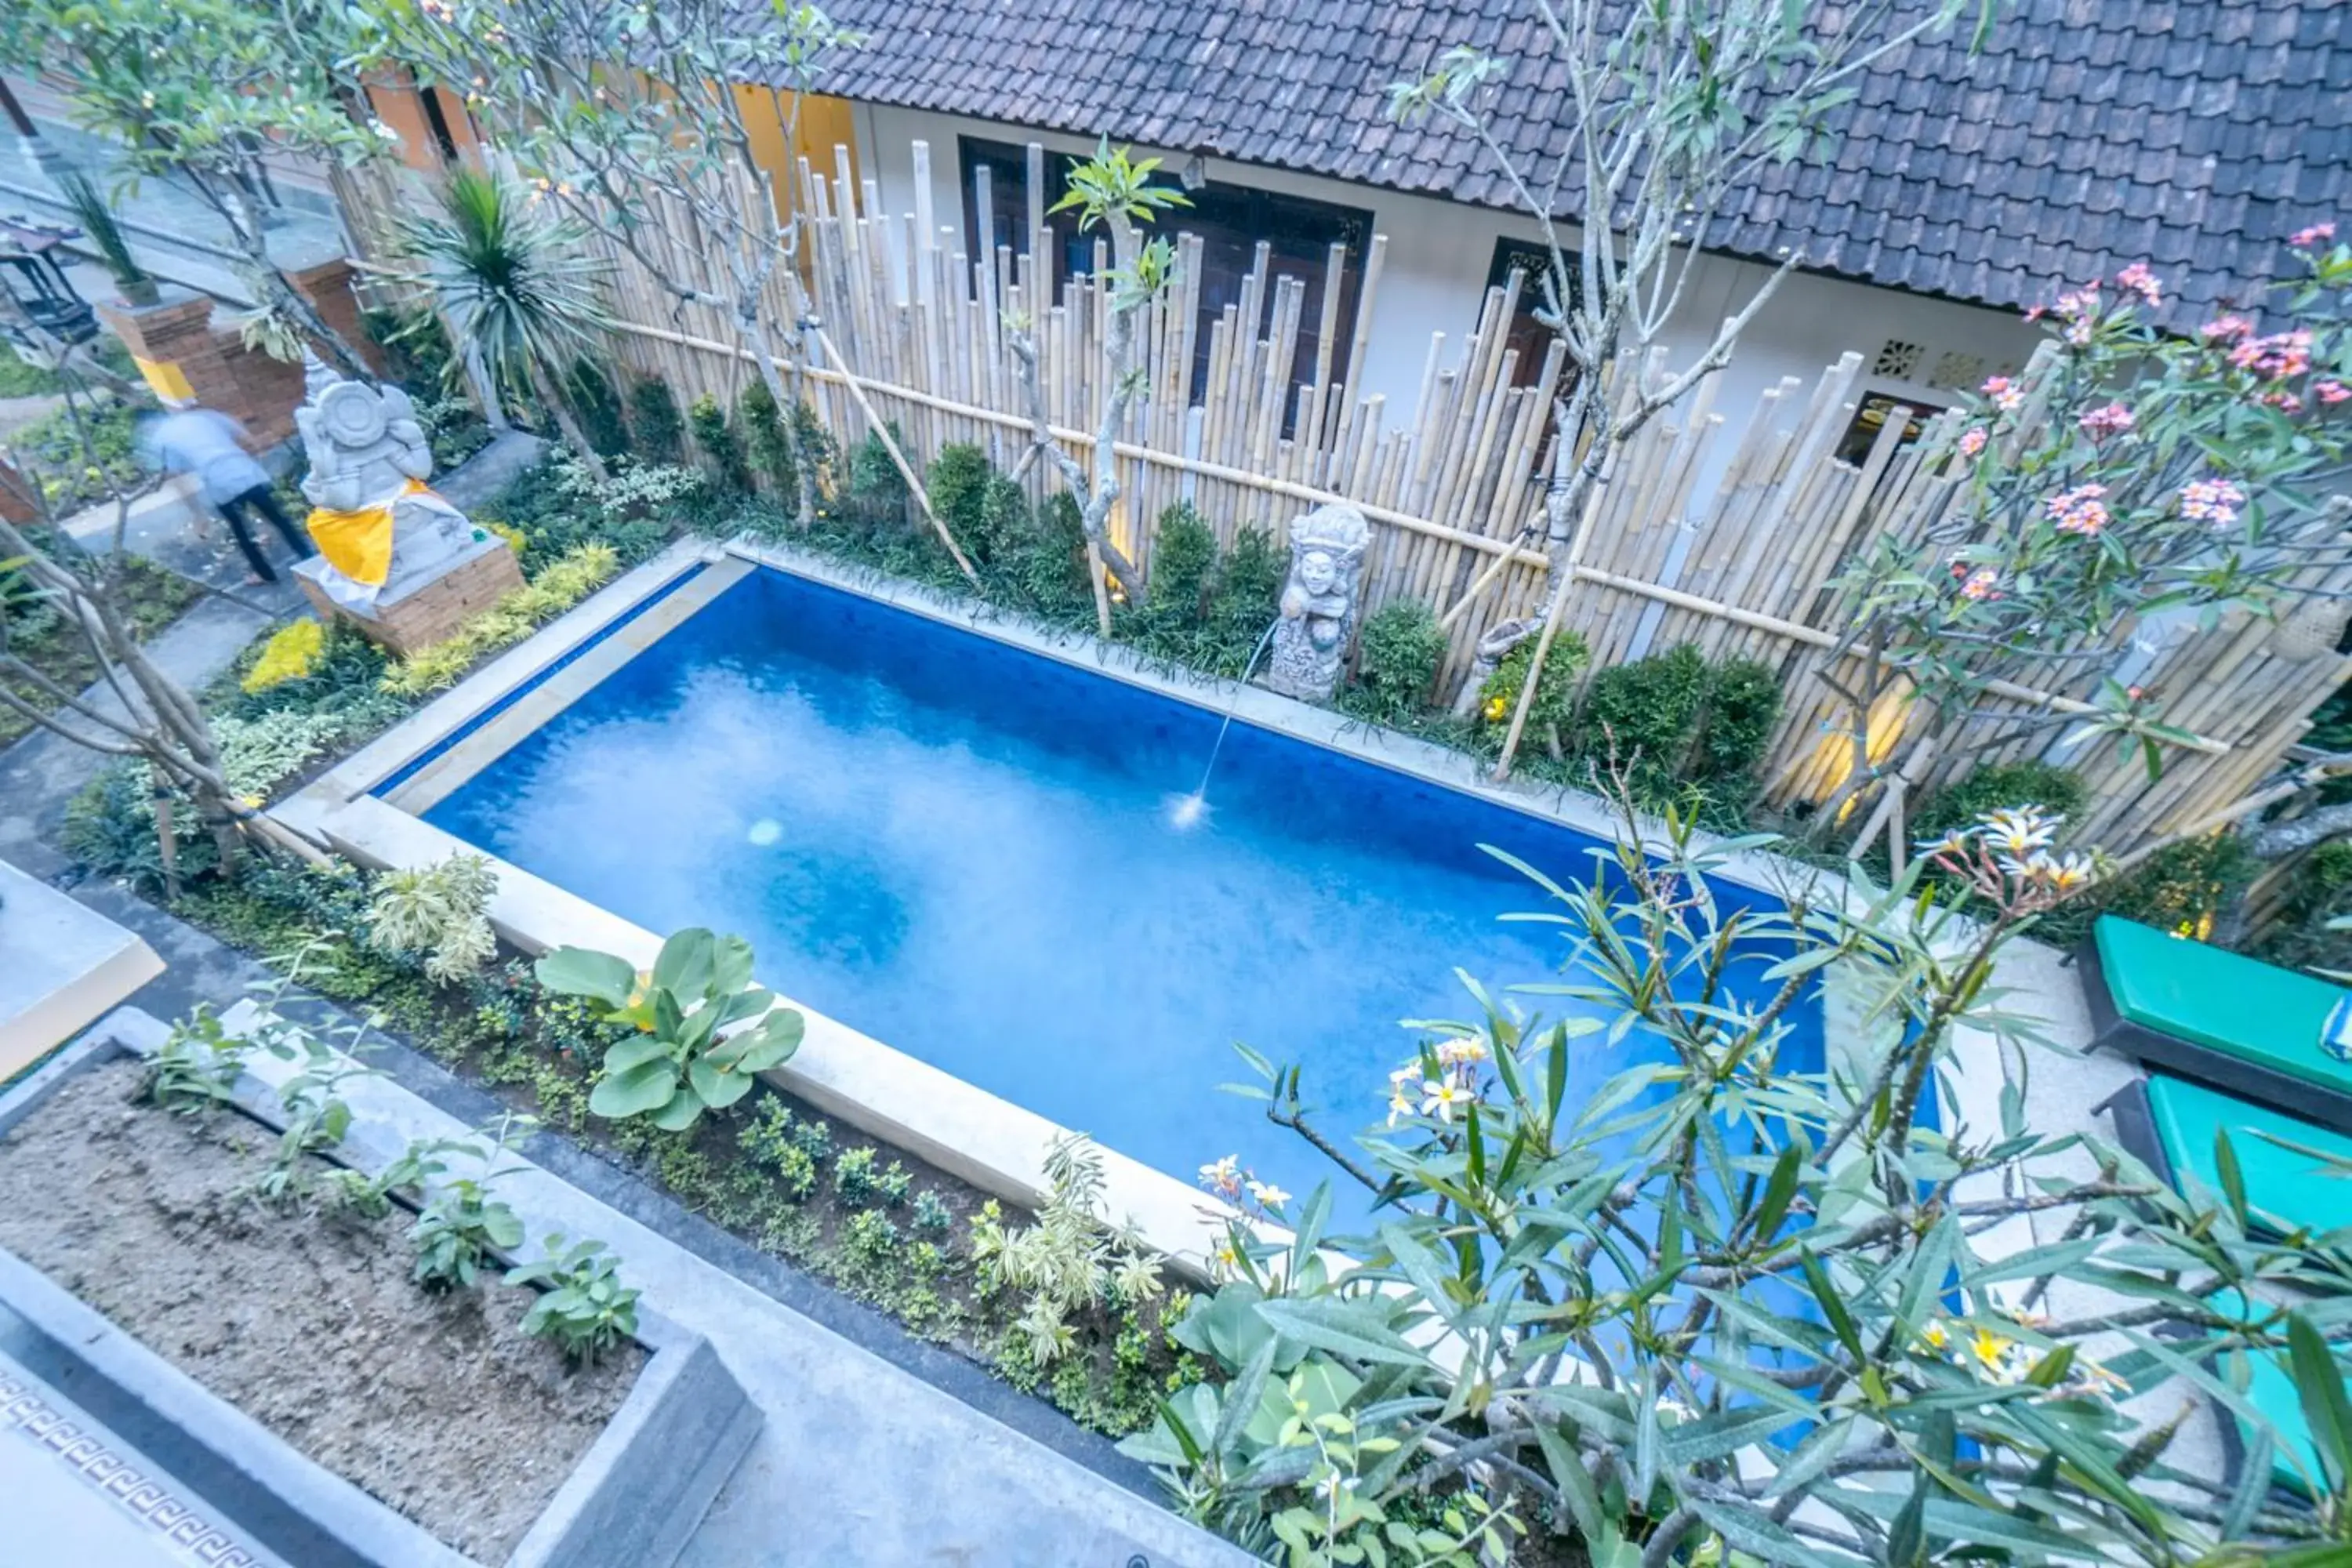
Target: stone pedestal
point(408, 617)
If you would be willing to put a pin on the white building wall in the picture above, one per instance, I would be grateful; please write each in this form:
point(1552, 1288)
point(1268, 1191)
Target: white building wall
point(1434, 278)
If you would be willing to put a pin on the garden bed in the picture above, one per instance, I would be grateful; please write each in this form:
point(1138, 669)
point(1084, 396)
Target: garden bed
point(278, 1343)
point(894, 1232)
point(438, 1405)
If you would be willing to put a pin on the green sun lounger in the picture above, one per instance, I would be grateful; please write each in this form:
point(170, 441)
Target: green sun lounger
point(2220, 1019)
point(2169, 1124)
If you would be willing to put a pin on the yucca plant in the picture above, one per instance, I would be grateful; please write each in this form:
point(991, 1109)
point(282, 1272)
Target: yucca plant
point(97, 221)
point(519, 294)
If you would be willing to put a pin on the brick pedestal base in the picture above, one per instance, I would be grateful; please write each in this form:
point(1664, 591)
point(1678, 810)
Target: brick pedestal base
point(431, 610)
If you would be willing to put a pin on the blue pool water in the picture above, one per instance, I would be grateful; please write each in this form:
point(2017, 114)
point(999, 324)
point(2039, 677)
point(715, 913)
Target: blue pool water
point(967, 851)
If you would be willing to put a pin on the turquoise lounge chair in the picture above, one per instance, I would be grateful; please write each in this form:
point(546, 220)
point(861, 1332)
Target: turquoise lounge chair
point(2249, 1029)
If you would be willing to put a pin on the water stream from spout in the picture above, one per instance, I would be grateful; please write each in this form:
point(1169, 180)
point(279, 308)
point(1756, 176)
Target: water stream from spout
point(1188, 810)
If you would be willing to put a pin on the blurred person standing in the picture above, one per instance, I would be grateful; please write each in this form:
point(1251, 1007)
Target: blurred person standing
point(212, 446)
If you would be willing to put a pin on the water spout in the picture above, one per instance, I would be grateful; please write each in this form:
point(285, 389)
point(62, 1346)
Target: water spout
point(1186, 812)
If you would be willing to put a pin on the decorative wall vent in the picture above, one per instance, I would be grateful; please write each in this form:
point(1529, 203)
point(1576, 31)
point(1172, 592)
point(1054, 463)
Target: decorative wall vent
point(1961, 373)
point(1899, 359)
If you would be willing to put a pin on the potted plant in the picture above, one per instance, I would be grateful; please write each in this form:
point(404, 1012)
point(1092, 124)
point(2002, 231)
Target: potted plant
point(137, 285)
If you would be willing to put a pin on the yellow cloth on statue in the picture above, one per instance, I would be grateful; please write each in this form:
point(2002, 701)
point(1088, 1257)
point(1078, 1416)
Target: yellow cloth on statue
point(359, 543)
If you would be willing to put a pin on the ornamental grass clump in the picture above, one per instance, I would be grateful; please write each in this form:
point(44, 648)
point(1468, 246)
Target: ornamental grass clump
point(515, 616)
point(288, 654)
point(1068, 1260)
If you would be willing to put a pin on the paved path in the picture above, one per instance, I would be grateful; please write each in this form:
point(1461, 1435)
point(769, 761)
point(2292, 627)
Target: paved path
point(172, 231)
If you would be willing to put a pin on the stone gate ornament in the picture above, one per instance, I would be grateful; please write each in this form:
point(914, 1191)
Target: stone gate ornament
point(375, 521)
point(1318, 601)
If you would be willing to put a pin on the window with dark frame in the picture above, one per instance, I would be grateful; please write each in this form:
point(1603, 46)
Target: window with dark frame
point(1230, 221)
point(1870, 417)
point(1528, 335)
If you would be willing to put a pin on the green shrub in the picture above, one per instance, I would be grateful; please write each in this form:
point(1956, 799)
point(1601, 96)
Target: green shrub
point(877, 490)
point(1998, 786)
point(597, 406)
point(1743, 704)
point(932, 1214)
point(2318, 891)
point(1555, 703)
point(999, 522)
point(958, 482)
point(1648, 711)
point(1184, 565)
point(1047, 568)
point(854, 1175)
point(1397, 657)
point(770, 449)
point(2185, 888)
point(658, 433)
point(722, 444)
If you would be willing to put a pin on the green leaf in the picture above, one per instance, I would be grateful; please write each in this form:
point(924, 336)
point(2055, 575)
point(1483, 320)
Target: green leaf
point(625, 1055)
point(679, 1114)
point(2233, 1183)
point(647, 1087)
point(1841, 1322)
point(684, 965)
point(1342, 1328)
point(1745, 1530)
point(1779, 1191)
point(2319, 1382)
point(582, 971)
point(1722, 1433)
point(1241, 1399)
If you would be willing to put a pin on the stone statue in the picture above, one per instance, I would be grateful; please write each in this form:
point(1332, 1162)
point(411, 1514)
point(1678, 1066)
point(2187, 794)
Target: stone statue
point(1318, 601)
point(381, 531)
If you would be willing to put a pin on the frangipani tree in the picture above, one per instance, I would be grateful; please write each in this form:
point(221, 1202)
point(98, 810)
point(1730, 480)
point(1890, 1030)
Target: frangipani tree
point(1734, 1306)
point(1113, 193)
point(203, 90)
point(2130, 475)
point(1669, 112)
point(626, 115)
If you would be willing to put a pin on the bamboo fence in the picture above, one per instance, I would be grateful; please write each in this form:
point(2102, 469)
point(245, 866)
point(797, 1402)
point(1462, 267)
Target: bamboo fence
point(1741, 569)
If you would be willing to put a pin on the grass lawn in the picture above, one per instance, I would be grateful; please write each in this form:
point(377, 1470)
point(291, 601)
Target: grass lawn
point(44, 640)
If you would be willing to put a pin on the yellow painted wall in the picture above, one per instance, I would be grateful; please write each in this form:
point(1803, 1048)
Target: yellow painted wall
point(824, 123)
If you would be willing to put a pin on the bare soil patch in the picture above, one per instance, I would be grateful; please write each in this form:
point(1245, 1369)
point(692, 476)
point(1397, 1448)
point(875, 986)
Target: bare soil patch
point(438, 1405)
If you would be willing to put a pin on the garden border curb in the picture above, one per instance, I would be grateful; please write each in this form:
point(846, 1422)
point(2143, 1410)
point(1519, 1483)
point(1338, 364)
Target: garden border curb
point(621, 1504)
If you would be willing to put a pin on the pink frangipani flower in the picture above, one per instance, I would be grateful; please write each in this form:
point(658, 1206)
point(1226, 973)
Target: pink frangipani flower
point(2215, 501)
point(2112, 420)
point(2317, 234)
point(2079, 511)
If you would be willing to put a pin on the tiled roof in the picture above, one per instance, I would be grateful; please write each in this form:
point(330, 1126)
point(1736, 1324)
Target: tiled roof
point(2086, 134)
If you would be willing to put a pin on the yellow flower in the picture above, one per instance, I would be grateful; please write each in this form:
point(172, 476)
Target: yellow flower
point(1496, 706)
point(1936, 1338)
point(288, 654)
point(1989, 1347)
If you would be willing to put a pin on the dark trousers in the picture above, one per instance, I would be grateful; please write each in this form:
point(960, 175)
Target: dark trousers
point(237, 510)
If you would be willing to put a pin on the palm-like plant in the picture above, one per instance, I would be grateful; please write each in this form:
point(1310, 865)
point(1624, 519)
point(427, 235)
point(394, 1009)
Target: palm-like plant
point(520, 294)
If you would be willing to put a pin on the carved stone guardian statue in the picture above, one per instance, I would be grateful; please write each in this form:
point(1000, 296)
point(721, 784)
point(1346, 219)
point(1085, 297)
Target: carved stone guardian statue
point(395, 559)
point(1318, 601)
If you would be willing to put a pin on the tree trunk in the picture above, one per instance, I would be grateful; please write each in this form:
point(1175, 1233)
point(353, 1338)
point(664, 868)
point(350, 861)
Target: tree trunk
point(484, 389)
point(543, 388)
point(2308, 831)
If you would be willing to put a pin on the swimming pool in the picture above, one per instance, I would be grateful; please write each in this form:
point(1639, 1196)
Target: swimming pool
point(966, 850)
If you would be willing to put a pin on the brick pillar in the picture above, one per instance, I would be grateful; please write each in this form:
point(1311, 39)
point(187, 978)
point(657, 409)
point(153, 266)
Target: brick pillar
point(187, 360)
point(328, 287)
